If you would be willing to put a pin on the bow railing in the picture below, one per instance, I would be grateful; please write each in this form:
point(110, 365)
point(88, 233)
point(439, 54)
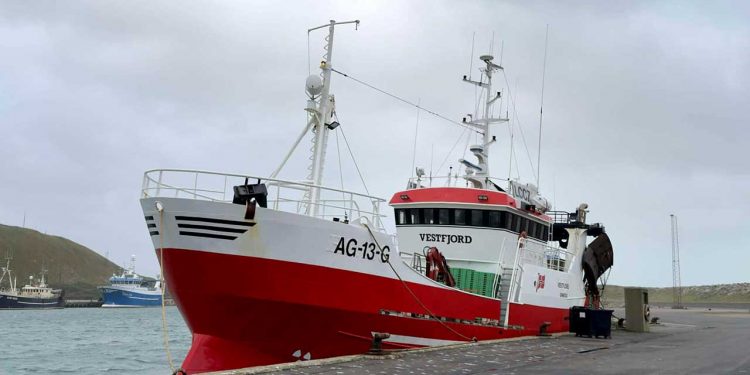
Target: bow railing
point(283, 195)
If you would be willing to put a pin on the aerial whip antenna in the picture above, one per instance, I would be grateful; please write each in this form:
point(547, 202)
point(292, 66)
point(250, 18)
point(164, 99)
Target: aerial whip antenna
point(416, 133)
point(541, 112)
point(471, 60)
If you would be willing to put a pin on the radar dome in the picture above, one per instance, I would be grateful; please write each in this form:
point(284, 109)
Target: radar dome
point(313, 85)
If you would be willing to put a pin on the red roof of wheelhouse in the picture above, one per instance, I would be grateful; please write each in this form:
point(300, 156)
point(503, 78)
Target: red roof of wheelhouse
point(458, 195)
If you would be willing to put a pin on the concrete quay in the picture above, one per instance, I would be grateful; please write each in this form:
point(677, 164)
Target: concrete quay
point(692, 341)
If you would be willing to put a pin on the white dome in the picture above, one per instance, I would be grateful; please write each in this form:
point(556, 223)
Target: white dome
point(313, 85)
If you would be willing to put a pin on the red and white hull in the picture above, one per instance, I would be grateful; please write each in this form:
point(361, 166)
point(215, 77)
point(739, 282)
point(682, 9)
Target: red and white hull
point(299, 281)
point(280, 291)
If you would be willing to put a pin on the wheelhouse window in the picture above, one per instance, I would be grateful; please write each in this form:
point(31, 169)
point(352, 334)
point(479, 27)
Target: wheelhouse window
point(495, 219)
point(401, 217)
point(477, 218)
point(429, 216)
point(444, 217)
point(540, 232)
point(516, 224)
point(508, 220)
point(414, 216)
point(460, 217)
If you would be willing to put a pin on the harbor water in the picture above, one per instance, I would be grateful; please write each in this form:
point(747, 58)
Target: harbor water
point(90, 341)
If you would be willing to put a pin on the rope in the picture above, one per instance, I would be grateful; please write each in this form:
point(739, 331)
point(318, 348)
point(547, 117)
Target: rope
point(346, 142)
point(518, 169)
point(341, 171)
point(308, 53)
point(460, 137)
point(472, 339)
point(406, 101)
point(520, 128)
point(164, 328)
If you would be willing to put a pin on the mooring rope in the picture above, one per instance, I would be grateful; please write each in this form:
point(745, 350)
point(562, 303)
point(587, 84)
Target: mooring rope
point(472, 339)
point(164, 327)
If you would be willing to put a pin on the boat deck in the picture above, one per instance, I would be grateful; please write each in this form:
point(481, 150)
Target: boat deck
point(695, 341)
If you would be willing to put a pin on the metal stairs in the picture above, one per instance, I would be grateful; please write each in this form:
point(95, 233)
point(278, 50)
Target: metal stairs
point(504, 289)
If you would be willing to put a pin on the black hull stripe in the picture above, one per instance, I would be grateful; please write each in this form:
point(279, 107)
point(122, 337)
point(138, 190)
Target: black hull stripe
point(215, 221)
point(208, 235)
point(208, 227)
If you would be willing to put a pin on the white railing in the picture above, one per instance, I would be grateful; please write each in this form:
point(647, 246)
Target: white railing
point(448, 181)
point(283, 195)
point(547, 256)
point(516, 274)
point(551, 257)
point(557, 259)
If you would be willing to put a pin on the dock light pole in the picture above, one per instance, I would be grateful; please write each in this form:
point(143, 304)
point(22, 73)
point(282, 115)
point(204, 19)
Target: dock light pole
point(676, 282)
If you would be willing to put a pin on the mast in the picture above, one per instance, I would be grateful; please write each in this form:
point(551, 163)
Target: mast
point(7, 271)
point(43, 283)
point(325, 109)
point(478, 174)
point(320, 108)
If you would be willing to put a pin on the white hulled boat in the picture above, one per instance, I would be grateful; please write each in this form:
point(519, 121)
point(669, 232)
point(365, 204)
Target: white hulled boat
point(266, 270)
point(34, 295)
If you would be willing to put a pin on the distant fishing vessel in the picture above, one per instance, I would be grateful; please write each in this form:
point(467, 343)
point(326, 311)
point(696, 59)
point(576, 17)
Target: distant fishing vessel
point(130, 290)
point(34, 295)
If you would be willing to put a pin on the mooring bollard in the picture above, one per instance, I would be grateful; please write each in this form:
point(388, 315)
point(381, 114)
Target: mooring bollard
point(377, 342)
point(543, 329)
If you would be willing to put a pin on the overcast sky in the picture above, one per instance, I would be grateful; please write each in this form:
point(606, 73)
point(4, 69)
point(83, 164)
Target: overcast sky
point(645, 110)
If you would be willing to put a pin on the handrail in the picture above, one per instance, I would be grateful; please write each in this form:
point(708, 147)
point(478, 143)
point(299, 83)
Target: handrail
point(500, 268)
point(516, 264)
point(290, 194)
point(300, 183)
point(450, 179)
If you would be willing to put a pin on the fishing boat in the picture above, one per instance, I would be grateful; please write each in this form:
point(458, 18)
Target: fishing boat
point(34, 295)
point(129, 289)
point(267, 270)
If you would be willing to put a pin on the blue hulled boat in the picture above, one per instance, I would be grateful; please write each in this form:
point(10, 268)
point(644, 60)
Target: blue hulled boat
point(131, 290)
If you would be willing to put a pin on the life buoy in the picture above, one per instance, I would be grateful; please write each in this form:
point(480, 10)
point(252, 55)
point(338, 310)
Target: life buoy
point(647, 313)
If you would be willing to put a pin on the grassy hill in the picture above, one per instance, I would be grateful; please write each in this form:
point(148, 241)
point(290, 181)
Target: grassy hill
point(721, 293)
point(71, 266)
